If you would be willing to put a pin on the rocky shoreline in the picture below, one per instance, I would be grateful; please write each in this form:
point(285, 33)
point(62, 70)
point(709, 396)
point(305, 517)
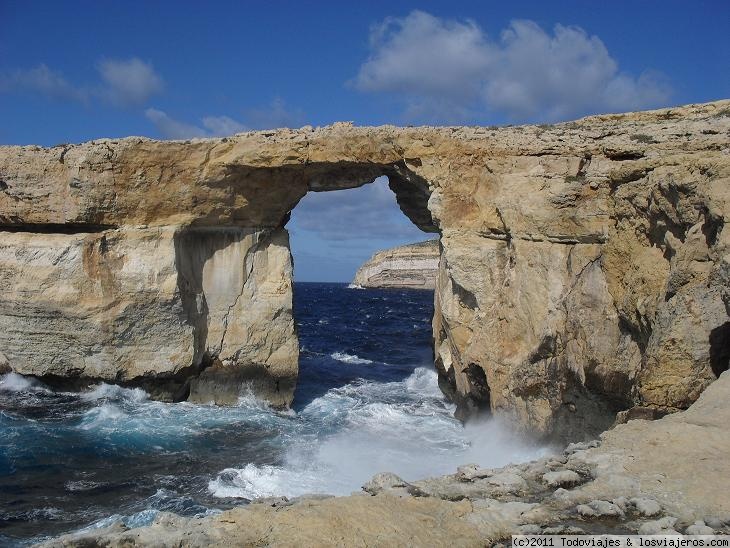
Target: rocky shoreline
point(412, 266)
point(667, 476)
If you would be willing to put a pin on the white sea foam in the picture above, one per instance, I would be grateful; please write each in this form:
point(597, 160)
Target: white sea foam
point(12, 382)
point(402, 427)
point(114, 392)
point(253, 481)
point(81, 485)
point(107, 415)
point(424, 381)
point(349, 358)
point(139, 519)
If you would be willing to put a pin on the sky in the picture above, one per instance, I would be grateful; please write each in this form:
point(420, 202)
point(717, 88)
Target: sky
point(75, 71)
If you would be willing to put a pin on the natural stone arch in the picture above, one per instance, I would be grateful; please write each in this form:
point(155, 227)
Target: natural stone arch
point(220, 375)
point(583, 266)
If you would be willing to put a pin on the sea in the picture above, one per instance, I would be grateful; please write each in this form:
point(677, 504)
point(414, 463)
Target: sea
point(367, 401)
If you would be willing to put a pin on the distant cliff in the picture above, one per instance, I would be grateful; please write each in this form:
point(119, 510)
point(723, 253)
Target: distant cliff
point(409, 266)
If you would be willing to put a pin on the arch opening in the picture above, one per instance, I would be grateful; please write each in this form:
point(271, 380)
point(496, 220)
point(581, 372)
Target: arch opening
point(348, 336)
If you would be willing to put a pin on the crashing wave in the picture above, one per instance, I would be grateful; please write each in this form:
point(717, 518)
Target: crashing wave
point(13, 382)
point(255, 481)
point(106, 391)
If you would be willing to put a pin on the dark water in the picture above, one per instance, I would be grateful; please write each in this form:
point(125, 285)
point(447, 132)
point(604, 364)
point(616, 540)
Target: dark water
point(367, 401)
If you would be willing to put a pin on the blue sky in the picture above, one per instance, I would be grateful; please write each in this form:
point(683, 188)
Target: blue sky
point(74, 71)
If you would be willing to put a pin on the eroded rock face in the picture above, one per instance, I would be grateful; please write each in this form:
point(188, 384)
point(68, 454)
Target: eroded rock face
point(575, 285)
point(151, 306)
point(412, 266)
point(583, 265)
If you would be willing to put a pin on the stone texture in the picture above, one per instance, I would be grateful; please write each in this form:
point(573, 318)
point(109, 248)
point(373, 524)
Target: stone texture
point(151, 306)
point(599, 508)
point(679, 460)
point(646, 507)
point(663, 526)
point(412, 266)
point(699, 528)
point(584, 266)
point(561, 478)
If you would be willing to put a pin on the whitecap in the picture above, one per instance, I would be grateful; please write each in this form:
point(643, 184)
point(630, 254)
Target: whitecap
point(82, 485)
point(350, 358)
point(115, 392)
point(49, 513)
point(107, 415)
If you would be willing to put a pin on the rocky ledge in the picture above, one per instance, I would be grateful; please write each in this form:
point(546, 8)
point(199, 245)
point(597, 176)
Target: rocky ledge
point(650, 477)
point(412, 266)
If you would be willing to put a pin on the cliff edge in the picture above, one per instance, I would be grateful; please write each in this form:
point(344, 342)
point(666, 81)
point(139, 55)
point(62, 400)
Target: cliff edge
point(412, 266)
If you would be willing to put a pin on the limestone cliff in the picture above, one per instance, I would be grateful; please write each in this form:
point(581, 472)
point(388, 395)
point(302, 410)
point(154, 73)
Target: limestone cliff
point(582, 272)
point(412, 266)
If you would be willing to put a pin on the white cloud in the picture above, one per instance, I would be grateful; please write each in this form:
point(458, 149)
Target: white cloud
point(364, 213)
point(275, 115)
point(123, 83)
point(222, 125)
point(170, 128)
point(450, 70)
point(212, 126)
point(426, 55)
point(43, 80)
point(129, 82)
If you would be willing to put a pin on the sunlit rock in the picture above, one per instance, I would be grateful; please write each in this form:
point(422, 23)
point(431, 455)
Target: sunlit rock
point(412, 266)
point(582, 272)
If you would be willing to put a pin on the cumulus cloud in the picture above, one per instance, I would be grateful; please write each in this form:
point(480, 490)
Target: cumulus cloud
point(123, 82)
point(274, 115)
point(363, 213)
point(129, 82)
point(448, 70)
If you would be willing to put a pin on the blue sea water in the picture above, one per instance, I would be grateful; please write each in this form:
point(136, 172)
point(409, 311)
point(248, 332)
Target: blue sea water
point(367, 401)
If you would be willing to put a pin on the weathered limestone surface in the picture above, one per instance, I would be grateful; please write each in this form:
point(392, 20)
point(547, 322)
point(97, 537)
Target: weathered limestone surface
point(583, 268)
point(407, 266)
point(151, 306)
point(667, 476)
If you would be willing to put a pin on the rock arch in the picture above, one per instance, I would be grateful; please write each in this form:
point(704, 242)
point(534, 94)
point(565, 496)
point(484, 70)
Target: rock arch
point(577, 278)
